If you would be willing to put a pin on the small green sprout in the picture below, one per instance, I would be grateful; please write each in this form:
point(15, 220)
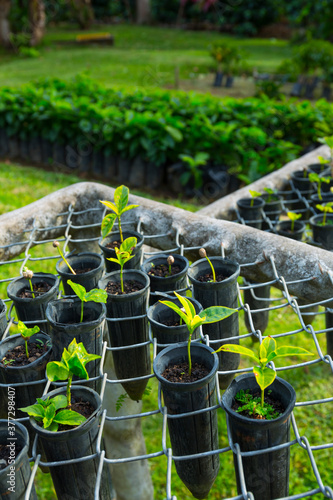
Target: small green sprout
point(26, 333)
point(293, 217)
point(95, 295)
point(268, 351)
point(272, 194)
point(123, 255)
point(56, 245)
point(170, 261)
point(203, 254)
point(28, 274)
point(323, 162)
point(193, 320)
point(328, 140)
point(325, 209)
point(254, 194)
point(118, 207)
point(193, 170)
point(7, 362)
point(313, 177)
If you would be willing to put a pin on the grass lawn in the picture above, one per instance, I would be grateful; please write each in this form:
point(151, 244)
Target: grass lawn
point(141, 56)
point(24, 185)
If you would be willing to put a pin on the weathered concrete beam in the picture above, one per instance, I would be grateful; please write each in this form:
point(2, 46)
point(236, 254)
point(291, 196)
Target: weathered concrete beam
point(294, 260)
point(224, 208)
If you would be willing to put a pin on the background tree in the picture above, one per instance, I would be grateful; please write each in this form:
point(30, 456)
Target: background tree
point(4, 23)
point(83, 12)
point(37, 18)
point(143, 11)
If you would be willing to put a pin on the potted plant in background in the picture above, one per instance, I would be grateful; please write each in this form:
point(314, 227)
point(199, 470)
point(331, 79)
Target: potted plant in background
point(85, 268)
point(322, 226)
point(14, 462)
point(31, 294)
point(23, 360)
point(273, 205)
point(67, 423)
point(109, 242)
point(261, 421)
point(250, 209)
point(292, 228)
point(218, 291)
point(127, 299)
point(3, 317)
point(167, 273)
point(166, 325)
point(82, 318)
point(186, 373)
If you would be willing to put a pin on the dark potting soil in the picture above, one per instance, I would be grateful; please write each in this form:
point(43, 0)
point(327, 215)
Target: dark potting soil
point(162, 270)
point(171, 323)
point(130, 286)
point(83, 270)
point(206, 278)
point(6, 454)
point(83, 407)
point(179, 372)
point(113, 244)
point(278, 407)
point(18, 357)
point(39, 289)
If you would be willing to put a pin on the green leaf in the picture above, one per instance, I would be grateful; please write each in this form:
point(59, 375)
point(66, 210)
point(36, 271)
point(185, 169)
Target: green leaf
point(110, 206)
point(37, 411)
point(53, 427)
point(56, 370)
point(128, 245)
point(129, 207)
point(121, 198)
point(49, 415)
point(196, 321)
point(175, 133)
point(264, 376)
point(59, 402)
point(187, 305)
point(78, 289)
point(176, 309)
point(111, 259)
point(238, 349)
point(96, 295)
point(294, 216)
point(216, 313)
point(25, 331)
point(254, 194)
point(267, 346)
point(107, 224)
point(292, 351)
point(69, 417)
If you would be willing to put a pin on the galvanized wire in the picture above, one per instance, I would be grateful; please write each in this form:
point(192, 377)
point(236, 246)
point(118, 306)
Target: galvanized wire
point(274, 304)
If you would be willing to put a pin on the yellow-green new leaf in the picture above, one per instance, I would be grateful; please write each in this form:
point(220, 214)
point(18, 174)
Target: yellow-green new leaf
point(187, 305)
point(292, 351)
point(238, 349)
point(176, 309)
point(107, 224)
point(264, 376)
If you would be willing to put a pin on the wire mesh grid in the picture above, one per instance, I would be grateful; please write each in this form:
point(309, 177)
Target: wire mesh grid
point(34, 249)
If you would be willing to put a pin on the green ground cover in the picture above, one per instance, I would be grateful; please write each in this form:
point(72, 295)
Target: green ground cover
point(144, 56)
point(25, 185)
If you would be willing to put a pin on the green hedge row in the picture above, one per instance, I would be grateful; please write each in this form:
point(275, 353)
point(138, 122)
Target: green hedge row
point(250, 136)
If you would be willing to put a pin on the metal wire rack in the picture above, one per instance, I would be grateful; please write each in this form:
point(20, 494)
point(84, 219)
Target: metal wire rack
point(36, 250)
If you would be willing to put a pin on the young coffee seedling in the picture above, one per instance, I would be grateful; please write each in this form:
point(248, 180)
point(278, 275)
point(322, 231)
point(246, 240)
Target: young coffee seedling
point(254, 194)
point(329, 142)
point(48, 412)
point(26, 333)
point(56, 245)
point(272, 195)
point(203, 254)
point(293, 217)
point(123, 255)
point(327, 208)
point(73, 362)
point(95, 295)
point(313, 177)
point(268, 351)
point(28, 274)
point(118, 207)
point(193, 320)
point(193, 164)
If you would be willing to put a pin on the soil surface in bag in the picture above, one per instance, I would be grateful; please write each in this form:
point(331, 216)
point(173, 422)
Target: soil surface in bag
point(18, 357)
point(39, 289)
point(277, 406)
point(162, 270)
point(5, 454)
point(113, 244)
point(206, 278)
point(83, 270)
point(130, 286)
point(179, 372)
